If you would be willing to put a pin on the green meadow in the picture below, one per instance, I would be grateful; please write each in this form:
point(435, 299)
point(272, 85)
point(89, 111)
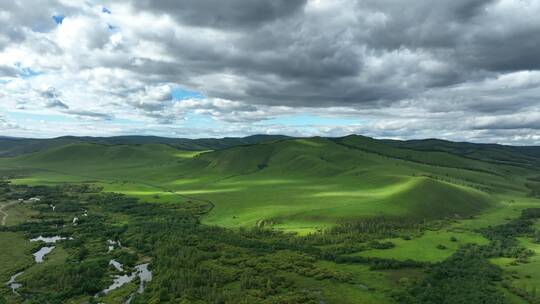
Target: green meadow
point(303, 185)
point(524, 276)
point(15, 254)
point(425, 248)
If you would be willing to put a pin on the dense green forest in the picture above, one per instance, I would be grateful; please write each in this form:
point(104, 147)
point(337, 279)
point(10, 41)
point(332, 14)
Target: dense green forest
point(192, 262)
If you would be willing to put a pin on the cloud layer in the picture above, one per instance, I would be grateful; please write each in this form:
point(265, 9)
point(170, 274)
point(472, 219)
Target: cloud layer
point(461, 70)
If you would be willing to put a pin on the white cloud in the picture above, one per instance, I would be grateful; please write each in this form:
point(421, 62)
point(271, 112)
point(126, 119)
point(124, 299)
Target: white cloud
point(428, 71)
point(8, 125)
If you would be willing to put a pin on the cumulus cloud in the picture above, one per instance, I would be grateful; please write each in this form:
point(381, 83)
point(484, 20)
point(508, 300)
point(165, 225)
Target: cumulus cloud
point(52, 98)
point(151, 99)
point(463, 69)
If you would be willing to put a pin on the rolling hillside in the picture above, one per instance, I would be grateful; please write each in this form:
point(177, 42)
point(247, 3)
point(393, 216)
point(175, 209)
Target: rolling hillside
point(10, 146)
point(419, 206)
point(512, 155)
point(298, 184)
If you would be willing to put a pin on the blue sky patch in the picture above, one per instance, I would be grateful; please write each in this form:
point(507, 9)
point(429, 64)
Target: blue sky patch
point(58, 19)
point(181, 94)
point(26, 72)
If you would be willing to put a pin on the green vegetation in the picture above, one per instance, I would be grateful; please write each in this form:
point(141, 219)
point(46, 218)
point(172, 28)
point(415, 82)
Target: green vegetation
point(16, 146)
point(190, 261)
point(15, 254)
point(432, 246)
point(371, 221)
point(297, 185)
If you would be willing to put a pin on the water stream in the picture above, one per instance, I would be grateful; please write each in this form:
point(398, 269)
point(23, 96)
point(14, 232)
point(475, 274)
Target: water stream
point(49, 239)
point(145, 275)
point(117, 265)
point(12, 283)
point(38, 258)
point(140, 271)
point(41, 253)
point(112, 244)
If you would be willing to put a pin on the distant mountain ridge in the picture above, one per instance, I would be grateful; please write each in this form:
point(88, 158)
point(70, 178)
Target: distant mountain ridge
point(502, 154)
point(525, 156)
point(13, 146)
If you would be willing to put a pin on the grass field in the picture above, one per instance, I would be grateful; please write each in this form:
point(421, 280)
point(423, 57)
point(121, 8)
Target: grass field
point(425, 248)
point(523, 276)
point(15, 255)
point(297, 185)
point(17, 213)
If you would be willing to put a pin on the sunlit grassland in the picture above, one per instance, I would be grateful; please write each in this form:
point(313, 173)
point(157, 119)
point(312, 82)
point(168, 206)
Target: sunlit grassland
point(319, 202)
point(510, 207)
point(525, 276)
point(303, 186)
point(425, 248)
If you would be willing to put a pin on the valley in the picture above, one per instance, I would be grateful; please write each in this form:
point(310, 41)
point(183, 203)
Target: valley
point(338, 220)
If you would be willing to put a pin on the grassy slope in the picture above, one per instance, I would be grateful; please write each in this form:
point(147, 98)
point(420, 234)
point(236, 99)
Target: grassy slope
point(14, 256)
point(318, 181)
point(425, 248)
point(515, 155)
point(10, 146)
point(523, 276)
point(300, 184)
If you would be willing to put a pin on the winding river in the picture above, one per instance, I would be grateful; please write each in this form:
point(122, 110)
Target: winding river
point(12, 283)
point(141, 271)
point(41, 253)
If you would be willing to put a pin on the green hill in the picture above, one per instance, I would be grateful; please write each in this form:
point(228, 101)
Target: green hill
point(501, 154)
point(292, 183)
point(81, 154)
point(322, 181)
point(10, 146)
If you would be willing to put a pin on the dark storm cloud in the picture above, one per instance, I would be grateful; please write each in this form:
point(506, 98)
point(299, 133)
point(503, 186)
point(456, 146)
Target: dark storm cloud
point(474, 34)
point(357, 53)
point(223, 14)
point(287, 53)
point(422, 23)
point(321, 53)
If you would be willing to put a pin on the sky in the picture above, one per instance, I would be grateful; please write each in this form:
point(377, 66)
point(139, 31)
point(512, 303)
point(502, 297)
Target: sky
point(462, 70)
